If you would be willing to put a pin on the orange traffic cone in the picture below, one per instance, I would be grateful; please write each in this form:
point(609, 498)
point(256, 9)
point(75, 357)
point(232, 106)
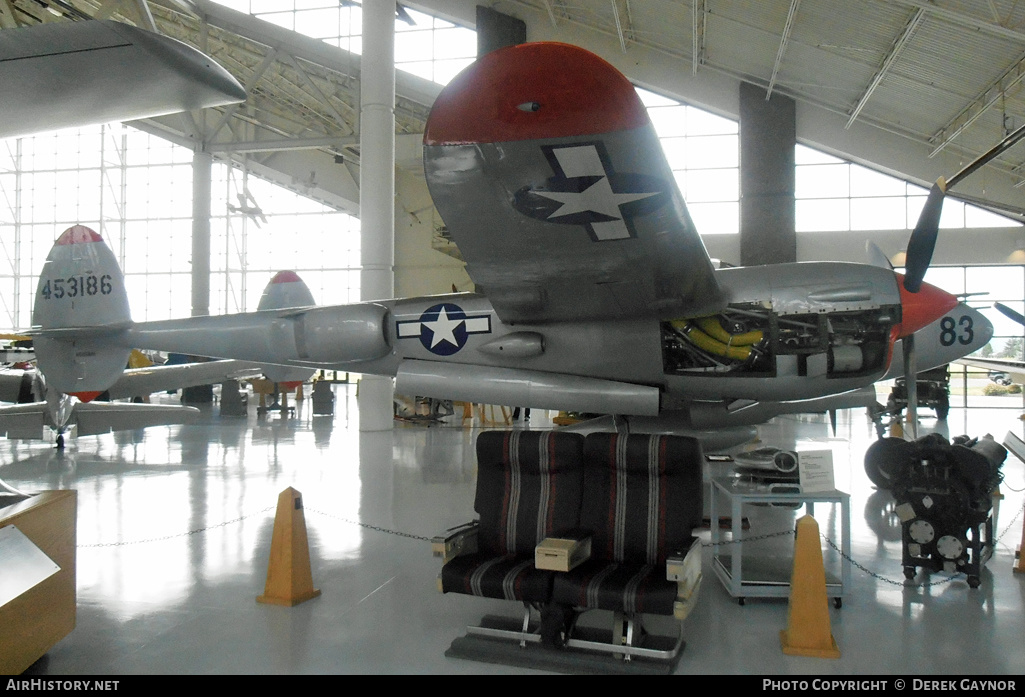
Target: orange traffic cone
point(289, 579)
point(808, 629)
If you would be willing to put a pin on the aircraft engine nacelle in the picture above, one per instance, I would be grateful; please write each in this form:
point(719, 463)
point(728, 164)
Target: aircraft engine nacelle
point(341, 334)
point(328, 335)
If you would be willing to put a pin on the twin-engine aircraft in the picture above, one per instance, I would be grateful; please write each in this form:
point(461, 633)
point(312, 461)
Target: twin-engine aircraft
point(595, 292)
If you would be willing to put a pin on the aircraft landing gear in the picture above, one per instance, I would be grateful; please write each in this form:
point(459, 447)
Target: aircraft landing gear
point(60, 441)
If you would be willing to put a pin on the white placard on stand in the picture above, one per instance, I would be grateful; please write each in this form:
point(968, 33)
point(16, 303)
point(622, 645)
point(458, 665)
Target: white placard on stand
point(816, 470)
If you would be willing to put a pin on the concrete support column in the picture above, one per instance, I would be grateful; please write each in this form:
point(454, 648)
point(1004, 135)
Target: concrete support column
point(202, 167)
point(377, 188)
point(768, 135)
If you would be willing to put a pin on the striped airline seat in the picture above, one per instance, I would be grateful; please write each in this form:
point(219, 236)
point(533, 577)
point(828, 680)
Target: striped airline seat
point(528, 488)
point(642, 497)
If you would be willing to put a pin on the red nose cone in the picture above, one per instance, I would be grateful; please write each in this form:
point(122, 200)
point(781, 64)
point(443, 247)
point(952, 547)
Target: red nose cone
point(922, 308)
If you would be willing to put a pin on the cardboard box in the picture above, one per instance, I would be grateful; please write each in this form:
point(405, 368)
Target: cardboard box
point(562, 553)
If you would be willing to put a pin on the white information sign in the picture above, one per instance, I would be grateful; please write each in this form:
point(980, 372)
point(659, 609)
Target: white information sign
point(816, 470)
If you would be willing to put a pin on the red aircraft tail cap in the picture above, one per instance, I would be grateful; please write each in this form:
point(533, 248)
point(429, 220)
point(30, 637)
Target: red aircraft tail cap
point(286, 277)
point(924, 307)
point(86, 396)
point(534, 91)
point(78, 234)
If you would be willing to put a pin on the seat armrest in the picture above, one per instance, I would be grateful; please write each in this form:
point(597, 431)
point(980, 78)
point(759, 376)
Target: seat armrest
point(455, 541)
point(684, 568)
point(563, 552)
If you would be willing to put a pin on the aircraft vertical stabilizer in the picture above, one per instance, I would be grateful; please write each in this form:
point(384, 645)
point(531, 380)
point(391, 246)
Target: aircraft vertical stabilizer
point(286, 290)
point(80, 300)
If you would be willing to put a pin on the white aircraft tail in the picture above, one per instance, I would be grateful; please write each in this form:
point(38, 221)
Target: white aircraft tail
point(286, 290)
point(80, 307)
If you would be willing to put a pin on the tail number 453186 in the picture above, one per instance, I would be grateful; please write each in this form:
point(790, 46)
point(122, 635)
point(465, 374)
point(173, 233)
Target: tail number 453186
point(76, 286)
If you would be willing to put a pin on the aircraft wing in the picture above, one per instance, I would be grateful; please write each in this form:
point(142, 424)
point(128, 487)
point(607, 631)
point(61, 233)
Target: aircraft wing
point(27, 421)
point(1014, 368)
point(68, 74)
point(104, 417)
point(137, 382)
point(550, 178)
point(23, 420)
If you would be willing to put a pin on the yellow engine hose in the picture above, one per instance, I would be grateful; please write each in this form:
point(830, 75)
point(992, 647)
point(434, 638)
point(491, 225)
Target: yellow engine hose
point(711, 326)
point(704, 341)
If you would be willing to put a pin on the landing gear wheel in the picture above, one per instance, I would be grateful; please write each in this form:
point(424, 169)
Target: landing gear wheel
point(60, 441)
point(740, 601)
point(942, 407)
point(910, 572)
point(974, 581)
point(838, 603)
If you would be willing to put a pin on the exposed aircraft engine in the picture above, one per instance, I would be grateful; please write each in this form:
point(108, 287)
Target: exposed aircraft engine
point(944, 496)
point(752, 340)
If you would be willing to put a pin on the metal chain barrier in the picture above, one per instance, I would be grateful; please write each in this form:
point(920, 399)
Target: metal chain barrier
point(721, 543)
point(371, 527)
point(753, 538)
point(180, 534)
point(855, 563)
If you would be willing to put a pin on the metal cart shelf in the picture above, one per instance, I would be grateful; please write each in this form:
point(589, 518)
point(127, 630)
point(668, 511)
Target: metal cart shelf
point(748, 575)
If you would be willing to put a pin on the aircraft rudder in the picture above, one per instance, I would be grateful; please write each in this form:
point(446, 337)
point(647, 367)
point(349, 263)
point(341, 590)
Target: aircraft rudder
point(81, 292)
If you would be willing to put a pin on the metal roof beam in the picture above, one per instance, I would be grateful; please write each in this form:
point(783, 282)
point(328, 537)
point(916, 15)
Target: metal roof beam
point(7, 20)
point(339, 119)
point(992, 94)
point(619, 25)
point(784, 40)
point(697, 35)
point(283, 144)
point(255, 78)
point(962, 19)
point(898, 46)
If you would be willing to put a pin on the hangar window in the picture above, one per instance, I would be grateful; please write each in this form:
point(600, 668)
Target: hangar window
point(704, 153)
point(136, 190)
point(835, 195)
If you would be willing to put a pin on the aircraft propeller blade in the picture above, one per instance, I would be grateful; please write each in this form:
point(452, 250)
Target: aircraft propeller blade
point(923, 238)
point(919, 256)
point(1010, 314)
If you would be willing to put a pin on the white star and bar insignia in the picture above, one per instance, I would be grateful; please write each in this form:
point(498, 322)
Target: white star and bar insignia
point(587, 191)
point(443, 329)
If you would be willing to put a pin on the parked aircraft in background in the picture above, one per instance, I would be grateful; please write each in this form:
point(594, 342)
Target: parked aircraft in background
point(1002, 371)
point(96, 280)
point(65, 74)
point(37, 408)
point(595, 295)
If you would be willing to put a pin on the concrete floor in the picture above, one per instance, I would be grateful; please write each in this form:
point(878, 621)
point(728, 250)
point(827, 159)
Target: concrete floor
point(174, 528)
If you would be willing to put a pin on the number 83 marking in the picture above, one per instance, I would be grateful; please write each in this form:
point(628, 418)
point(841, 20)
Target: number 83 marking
point(949, 331)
